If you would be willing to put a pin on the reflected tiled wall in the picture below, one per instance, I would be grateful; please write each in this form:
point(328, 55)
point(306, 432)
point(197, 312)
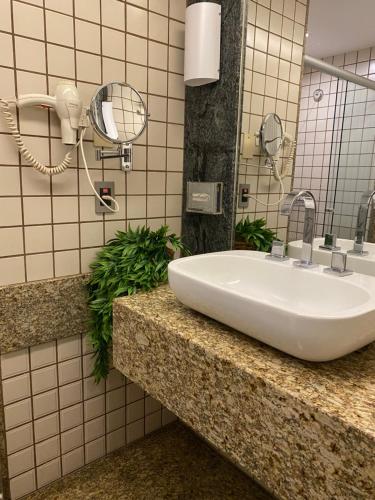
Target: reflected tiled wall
point(48, 227)
point(57, 419)
point(336, 141)
point(274, 50)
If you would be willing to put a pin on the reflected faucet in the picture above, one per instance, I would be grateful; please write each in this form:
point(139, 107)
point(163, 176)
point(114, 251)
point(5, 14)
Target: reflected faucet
point(309, 223)
point(360, 233)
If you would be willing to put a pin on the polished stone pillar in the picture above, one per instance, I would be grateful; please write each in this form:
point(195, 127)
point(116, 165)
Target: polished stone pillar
point(212, 132)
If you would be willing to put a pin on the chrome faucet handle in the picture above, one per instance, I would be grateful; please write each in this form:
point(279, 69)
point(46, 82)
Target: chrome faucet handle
point(277, 251)
point(357, 249)
point(330, 242)
point(338, 265)
point(306, 257)
point(358, 246)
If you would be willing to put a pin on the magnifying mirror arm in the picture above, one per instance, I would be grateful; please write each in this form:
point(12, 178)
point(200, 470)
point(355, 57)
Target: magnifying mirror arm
point(106, 155)
point(124, 153)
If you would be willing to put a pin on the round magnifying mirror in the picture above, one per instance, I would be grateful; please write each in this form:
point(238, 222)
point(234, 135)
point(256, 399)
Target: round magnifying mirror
point(271, 134)
point(118, 113)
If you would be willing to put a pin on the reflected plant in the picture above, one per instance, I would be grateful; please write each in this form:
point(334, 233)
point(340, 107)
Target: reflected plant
point(254, 235)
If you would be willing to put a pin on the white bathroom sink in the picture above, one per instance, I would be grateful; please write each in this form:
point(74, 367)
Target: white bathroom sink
point(360, 264)
point(303, 312)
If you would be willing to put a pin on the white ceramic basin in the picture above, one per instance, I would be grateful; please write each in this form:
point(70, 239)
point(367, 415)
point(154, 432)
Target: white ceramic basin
point(359, 264)
point(303, 312)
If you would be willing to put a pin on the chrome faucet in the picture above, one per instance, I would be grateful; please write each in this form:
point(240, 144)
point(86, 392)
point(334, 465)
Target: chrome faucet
point(309, 224)
point(360, 233)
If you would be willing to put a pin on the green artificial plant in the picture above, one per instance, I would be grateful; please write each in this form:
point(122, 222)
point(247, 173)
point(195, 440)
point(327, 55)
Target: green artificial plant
point(135, 260)
point(255, 234)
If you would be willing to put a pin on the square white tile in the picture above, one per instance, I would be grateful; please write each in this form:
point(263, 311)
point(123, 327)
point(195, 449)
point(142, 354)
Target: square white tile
point(94, 407)
point(72, 439)
point(70, 371)
point(43, 355)
point(48, 472)
point(14, 363)
point(47, 450)
point(115, 419)
point(19, 438)
point(95, 449)
point(115, 399)
point(16, 388)
point(22, 484)
point(17, 413)
point(91, 388)
point(45, 403)
point(71, 417)
point(44, 379)
point(46, 427)
point(116, 439)
point(70, 394)
point(21, 461)
point(69, 348)
point(73, 460)
point(94, 428)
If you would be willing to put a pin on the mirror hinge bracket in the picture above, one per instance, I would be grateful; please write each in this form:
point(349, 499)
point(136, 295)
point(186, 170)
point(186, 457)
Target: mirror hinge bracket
point(126, 156)
point(124, 153)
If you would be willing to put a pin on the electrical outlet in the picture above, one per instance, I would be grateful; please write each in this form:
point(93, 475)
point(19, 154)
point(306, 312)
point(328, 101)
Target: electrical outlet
point(105, 188)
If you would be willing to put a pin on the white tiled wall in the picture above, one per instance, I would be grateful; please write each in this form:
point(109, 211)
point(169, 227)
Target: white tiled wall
point(273, 60)
point(336, 145)
point(57, 419)
point(48, 227)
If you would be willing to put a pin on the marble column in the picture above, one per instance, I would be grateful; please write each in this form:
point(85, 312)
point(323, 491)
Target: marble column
point(212, 132)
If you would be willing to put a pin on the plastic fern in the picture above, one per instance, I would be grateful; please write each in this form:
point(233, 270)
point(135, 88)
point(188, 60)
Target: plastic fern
point(135, 260)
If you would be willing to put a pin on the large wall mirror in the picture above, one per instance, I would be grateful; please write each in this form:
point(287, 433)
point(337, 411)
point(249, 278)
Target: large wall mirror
point(336, 130)
point(331, 119)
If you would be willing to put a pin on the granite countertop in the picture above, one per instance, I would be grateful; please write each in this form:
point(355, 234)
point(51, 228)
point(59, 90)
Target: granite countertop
point(333, 401)
point(39, 311)
point(343, 389)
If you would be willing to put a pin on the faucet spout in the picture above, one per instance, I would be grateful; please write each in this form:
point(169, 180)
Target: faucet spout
point(360, 233)
point(308, 200)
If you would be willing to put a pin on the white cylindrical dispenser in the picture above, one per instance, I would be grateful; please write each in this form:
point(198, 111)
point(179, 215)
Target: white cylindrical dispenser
point(202, 43)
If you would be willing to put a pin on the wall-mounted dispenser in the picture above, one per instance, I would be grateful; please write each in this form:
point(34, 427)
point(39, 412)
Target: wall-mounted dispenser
point(205, 197)
point(202, 43)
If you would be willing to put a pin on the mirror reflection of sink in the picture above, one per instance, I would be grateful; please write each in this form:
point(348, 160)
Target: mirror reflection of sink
point(360, 264)
point(306, 313)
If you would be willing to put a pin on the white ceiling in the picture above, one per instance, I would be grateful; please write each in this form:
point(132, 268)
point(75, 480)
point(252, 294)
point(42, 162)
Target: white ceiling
point(339, 26)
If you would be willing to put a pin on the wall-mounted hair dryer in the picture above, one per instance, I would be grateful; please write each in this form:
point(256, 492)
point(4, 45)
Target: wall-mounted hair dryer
point(67, 105)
